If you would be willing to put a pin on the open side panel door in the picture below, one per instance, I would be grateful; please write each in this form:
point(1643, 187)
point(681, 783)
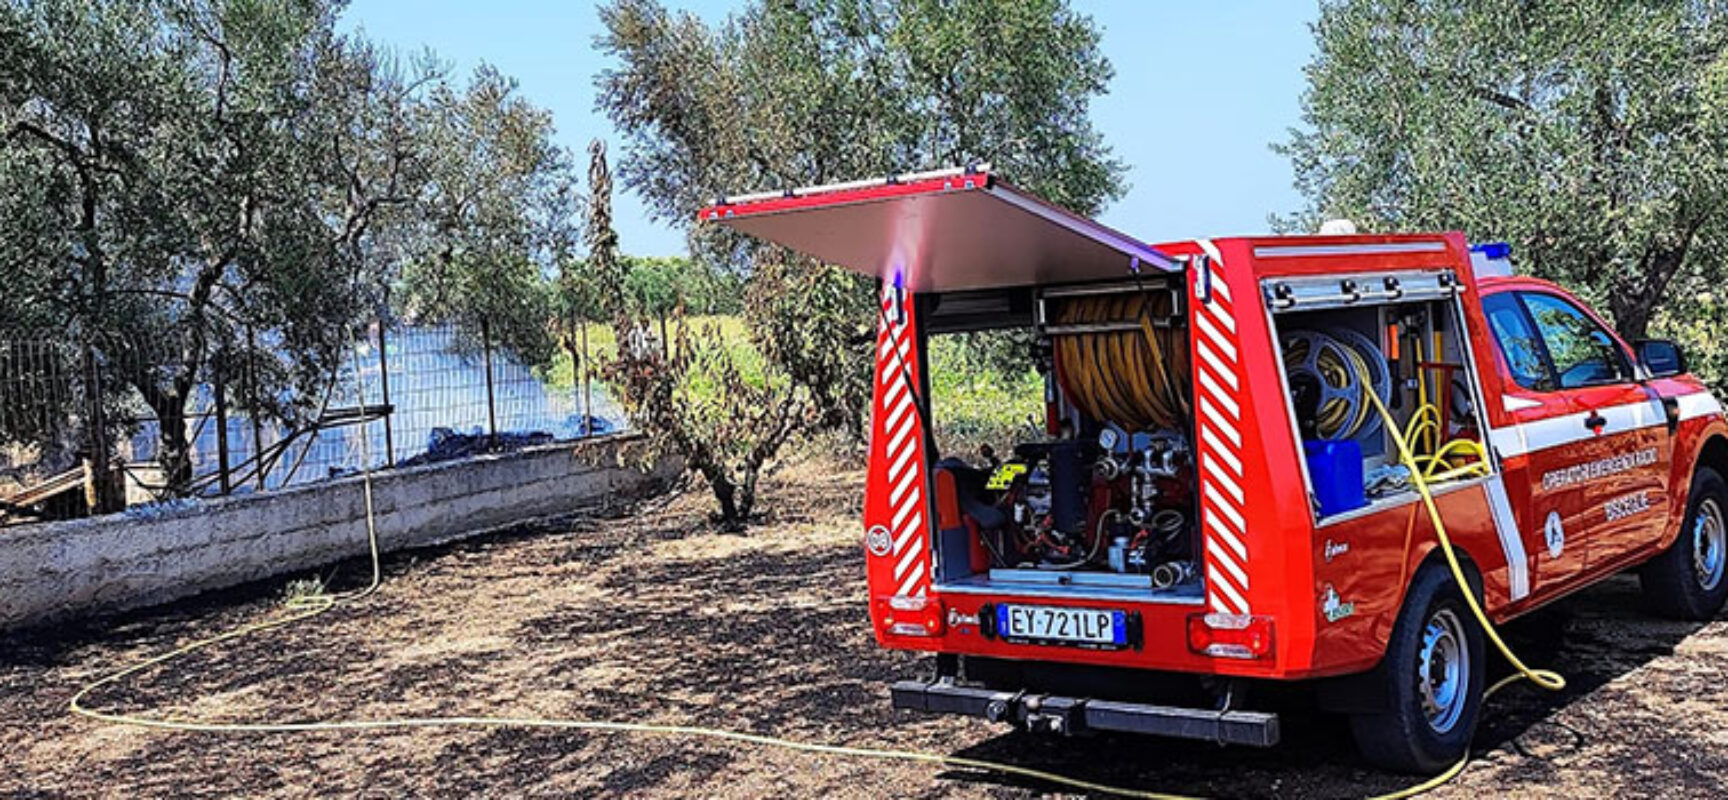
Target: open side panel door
point(941, 231)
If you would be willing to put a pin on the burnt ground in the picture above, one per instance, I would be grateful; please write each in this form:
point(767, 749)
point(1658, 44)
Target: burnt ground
point(652, 615)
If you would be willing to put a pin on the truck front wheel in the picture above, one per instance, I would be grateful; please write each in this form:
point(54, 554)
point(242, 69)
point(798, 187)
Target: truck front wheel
point(1687, 581)
point(1433, 673)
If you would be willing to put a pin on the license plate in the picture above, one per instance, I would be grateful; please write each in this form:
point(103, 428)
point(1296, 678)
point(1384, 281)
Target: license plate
point(1076, 627)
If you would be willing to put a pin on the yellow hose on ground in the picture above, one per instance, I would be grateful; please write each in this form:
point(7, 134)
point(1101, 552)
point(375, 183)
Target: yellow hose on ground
point(307, 611)
point(304, 608)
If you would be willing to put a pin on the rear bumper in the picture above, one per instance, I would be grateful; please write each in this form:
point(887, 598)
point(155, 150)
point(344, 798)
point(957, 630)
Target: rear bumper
point(1070, 716)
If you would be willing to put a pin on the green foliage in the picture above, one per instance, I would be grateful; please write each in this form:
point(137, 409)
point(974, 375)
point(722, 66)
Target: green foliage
point(661, 286)
point(787, 94)
point(976, 400)
point(497, 214)
point(302, 589)
point(694, 397)
point(794, 93)
point(804, 319)
point(1591, 135)
point(175, 174)
point(1695, 321)
point(603, 346)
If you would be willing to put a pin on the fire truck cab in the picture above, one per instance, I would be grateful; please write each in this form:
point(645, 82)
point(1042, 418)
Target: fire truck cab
point(1211, 504)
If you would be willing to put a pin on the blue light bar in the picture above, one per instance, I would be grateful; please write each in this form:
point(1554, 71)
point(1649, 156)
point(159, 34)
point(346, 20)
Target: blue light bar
point(1494, 250)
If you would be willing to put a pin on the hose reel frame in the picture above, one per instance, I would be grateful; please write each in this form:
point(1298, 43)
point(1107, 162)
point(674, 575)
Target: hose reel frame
point(1341, 365)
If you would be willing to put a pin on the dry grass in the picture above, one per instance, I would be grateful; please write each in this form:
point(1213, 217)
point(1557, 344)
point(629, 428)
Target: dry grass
point(654, 616)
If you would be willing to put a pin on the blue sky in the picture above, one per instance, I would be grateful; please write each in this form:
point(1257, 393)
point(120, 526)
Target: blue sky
point(1201, 90)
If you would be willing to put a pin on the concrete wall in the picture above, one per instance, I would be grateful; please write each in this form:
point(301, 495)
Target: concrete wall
point(154, 554)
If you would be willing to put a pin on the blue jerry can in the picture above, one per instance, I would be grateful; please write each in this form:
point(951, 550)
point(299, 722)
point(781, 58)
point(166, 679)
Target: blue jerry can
point(1335, 466)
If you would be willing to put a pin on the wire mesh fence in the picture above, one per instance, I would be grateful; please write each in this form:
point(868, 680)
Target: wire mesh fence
point(400, 396)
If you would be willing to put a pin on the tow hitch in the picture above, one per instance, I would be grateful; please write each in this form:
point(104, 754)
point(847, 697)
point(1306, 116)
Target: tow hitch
point(1071, 716)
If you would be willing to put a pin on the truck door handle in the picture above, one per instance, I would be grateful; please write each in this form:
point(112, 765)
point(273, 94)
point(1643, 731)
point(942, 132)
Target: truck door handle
point(1595, 422)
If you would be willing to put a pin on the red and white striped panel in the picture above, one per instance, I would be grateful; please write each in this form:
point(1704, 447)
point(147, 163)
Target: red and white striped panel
point(898, 449)
point(1218, 436)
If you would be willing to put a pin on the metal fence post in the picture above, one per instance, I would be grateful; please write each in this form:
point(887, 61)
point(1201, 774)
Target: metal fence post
point(384, 387)
point(252, 406)
point(491, 400)
point(99, 497)
point(587, 387)
point(579, 375)
point(220, 388)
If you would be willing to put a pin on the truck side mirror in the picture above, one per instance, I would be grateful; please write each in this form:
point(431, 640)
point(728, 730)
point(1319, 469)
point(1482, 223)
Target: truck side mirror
point(1661, 358)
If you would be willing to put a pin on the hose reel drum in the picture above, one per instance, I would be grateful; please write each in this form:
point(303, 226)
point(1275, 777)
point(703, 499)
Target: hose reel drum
point(1331, 372)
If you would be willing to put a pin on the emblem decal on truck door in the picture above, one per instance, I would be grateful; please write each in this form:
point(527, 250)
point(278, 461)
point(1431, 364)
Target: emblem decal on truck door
point(1555, 534)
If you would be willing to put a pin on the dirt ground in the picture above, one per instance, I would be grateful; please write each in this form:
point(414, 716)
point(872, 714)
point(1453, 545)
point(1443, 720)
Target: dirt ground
point(652, 615)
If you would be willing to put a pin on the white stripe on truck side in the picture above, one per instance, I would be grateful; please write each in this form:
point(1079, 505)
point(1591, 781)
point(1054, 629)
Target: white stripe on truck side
point(1531, 437)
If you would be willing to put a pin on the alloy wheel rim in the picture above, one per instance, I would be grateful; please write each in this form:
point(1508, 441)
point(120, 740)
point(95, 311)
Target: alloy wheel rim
point(1709, 544)
point(1443, 670)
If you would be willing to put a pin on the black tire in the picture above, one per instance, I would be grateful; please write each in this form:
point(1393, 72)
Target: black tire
point(1406, 736)
point(1687, 580)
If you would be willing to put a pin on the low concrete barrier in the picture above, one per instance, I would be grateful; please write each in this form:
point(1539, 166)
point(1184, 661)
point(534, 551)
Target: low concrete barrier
point(155, 554)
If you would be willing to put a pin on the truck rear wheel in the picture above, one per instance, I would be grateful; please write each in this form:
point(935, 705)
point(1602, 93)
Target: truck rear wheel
point(1433, 671)
point(1688, 580)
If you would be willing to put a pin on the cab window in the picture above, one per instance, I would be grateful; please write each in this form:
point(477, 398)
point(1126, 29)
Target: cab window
point(1517, 341)
point(1580, 352)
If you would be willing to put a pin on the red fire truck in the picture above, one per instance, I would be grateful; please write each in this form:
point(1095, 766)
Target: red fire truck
point(1208, 503)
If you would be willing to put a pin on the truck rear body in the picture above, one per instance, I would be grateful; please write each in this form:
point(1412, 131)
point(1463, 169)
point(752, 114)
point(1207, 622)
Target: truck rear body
point(1278, 585)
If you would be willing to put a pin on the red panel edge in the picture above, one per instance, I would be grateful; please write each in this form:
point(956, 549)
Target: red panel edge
point(864, 194)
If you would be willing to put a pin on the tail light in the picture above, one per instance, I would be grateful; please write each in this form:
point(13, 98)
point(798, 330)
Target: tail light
point(910, 616)
point(1230, 635)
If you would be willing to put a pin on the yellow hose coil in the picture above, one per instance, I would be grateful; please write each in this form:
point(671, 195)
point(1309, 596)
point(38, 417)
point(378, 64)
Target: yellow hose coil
point(1137, 379)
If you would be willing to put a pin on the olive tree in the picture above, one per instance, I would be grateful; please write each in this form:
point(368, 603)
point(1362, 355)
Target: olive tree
point(192, 172)
point(194, 184)
point(789, 94)
point(1592, 135)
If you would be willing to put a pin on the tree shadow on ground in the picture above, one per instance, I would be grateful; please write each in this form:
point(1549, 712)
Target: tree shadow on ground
point(678, 625)
point(1593, 639)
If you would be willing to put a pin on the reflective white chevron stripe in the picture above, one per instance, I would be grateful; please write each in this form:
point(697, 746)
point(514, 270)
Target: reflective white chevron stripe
point(901, 432)
point(1218, 443)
